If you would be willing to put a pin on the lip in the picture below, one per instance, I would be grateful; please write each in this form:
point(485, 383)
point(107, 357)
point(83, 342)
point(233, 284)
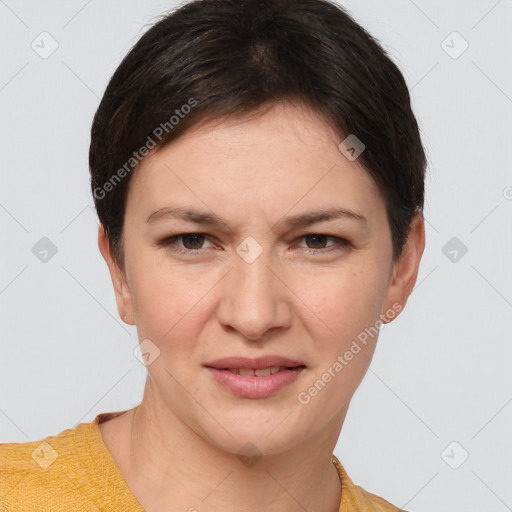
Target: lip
point(253, 386)
point(254, 363)
point(247, 386)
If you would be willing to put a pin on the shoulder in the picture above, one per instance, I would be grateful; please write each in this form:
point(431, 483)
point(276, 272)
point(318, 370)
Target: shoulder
point(375, 503)
point(35, 474)
point(354, 498)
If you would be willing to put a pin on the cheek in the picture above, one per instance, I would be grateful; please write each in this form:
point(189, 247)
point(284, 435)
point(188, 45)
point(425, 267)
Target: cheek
point(166, 299)
point(345, 309)
point(342, 302)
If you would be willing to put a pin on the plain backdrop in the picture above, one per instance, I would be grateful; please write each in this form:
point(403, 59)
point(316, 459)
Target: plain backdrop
point(429, 428)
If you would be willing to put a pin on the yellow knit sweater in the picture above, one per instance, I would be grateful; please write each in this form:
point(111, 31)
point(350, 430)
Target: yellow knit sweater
point(74, 472)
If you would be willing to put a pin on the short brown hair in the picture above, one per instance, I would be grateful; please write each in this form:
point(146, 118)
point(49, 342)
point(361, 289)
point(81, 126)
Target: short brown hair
point(216, 58)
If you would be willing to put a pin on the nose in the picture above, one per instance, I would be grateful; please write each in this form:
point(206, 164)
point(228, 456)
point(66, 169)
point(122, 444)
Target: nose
point(254, 298)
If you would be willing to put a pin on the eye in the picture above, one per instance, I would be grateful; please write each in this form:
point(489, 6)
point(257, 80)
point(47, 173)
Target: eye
point(319, 240)
point(192, 242)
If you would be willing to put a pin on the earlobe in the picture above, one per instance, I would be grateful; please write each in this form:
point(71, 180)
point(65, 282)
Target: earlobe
point(118, 277)
point(405, 269)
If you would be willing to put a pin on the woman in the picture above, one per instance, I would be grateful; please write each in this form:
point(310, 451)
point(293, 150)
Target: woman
point(258, 176)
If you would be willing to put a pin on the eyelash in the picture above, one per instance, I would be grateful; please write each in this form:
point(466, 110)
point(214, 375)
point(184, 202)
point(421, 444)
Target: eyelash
point(171, 242)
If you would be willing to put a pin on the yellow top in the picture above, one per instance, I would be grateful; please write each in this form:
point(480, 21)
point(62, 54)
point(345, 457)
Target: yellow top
point(74, 472)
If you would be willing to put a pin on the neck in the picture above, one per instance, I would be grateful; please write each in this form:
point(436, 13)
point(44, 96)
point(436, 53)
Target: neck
point(166, 462)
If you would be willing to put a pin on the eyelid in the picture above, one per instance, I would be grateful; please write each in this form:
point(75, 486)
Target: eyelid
point(340, 241)
point(170, 241)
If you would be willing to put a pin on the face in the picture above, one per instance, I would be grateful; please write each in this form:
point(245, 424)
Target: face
point(254, 238)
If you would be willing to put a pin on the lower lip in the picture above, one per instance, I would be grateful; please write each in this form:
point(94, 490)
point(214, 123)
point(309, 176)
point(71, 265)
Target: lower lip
point(253, 386)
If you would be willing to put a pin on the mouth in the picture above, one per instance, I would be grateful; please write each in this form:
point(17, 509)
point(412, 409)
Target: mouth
point(255, 378)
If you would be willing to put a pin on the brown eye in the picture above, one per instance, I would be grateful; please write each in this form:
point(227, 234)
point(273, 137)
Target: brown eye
point(318, 241)
point(193, 239)
point(186, 243)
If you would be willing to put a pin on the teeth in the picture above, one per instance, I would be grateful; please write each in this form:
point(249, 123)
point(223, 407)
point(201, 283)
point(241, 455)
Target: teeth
point(262, 372)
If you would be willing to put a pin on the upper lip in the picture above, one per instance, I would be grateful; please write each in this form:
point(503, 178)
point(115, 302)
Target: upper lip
point(253, 363)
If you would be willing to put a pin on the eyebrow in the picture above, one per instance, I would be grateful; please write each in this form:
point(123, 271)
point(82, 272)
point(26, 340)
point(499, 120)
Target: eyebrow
point(295, 221)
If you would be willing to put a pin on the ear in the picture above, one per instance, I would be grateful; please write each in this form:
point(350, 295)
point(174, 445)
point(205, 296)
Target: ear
point(405, 270)
point(117, 274)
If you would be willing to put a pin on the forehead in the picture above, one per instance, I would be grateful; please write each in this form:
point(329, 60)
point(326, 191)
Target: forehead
point(286, 157)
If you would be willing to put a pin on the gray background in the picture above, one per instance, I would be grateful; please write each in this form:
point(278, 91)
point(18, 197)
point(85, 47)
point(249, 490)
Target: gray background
point(442, 370)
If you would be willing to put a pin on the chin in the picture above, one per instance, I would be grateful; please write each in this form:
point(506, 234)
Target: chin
point(257, 434)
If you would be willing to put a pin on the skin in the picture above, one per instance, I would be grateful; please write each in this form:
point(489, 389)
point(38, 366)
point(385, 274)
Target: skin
point(180, 444)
